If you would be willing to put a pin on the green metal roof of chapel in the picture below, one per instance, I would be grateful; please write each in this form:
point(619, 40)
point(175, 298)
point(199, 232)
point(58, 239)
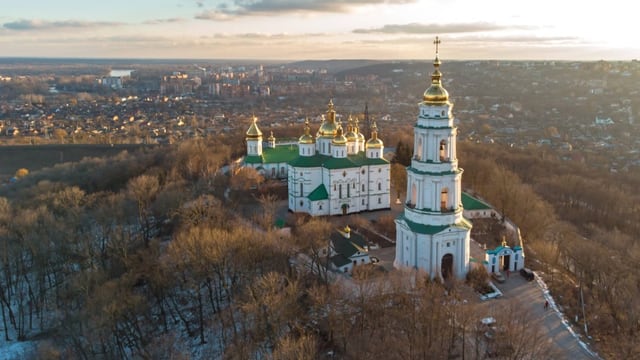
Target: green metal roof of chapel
point(319, 193)
point(471, 203)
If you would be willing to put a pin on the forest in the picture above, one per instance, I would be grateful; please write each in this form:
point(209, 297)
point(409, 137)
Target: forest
point(151, 255)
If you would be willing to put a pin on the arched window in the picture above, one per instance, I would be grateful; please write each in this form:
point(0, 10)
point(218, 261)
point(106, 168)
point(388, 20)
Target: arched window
point(363, 187)
point(444, 199)
point(301, 189)
point(418, 150)
point(379, 186)
point(414, 196)
point(444, 151)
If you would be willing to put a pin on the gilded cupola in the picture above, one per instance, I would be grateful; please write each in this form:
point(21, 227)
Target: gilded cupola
point(350, 135)
point(254, 132)
point(339, 139)
point(329, 127)
point(306, 138)
point(436, 93)
point(374, 142)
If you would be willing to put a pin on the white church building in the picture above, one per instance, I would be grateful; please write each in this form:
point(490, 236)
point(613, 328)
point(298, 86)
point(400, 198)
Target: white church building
point(332, 173)
point(432, 234)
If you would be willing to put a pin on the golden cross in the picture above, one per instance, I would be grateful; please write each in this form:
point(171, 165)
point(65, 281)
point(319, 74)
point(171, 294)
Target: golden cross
point(437, 42)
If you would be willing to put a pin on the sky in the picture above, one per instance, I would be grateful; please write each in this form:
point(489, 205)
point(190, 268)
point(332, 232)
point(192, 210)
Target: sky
point(319, 29)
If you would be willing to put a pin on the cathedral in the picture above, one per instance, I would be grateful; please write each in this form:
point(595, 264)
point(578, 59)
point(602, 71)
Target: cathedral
point(431, 233)
point(335, 172)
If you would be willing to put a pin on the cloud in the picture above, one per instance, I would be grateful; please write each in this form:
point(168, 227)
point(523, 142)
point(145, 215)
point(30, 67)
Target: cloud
point(164, 21)
point(36, 24)
point(416, 28)
point(237, 8)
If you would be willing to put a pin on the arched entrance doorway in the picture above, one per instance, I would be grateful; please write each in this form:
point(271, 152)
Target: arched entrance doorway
point(446, 268)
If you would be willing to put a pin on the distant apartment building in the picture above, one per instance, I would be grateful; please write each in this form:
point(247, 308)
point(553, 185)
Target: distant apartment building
point(114, 82)
point(179, 83)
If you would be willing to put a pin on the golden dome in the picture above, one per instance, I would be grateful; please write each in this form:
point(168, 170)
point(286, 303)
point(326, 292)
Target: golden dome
point(328, 127)
point(254, 132)
point(306, 138)
point(271, 137)
point(339, 139)
point(436, 94)
point(350, 135)
point(374, 142)
point(356, 130)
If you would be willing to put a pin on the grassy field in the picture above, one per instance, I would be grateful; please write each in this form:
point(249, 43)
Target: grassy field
point(36, 157)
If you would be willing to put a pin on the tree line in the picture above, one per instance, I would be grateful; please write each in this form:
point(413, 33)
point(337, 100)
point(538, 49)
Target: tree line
point(144, 255)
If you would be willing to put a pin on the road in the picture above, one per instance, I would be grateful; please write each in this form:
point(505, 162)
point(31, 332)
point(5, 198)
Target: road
point(532, 295)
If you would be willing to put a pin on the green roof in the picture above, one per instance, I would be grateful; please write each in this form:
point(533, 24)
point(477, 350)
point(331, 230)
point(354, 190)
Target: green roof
point(290, 154)
point(414, 170)
point(319, 193)
point(433, 127)
point(347, 246)
point(340, 260)
point(359, 159)
point(432, 229)
point(307, 161)
point(471, 203)
point(280, 154)
point(500, 248)
point(253, 159)
point(495, 251)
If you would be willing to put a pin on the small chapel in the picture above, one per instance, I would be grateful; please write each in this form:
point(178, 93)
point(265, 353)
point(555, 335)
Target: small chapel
point(335, 172)
point(431, 233)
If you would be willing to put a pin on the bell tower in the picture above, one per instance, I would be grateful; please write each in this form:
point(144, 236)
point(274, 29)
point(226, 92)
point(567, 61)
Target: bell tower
point(254, 138)
point(431, 233)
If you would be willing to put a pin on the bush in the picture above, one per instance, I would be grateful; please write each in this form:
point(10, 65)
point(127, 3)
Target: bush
point(477, 277)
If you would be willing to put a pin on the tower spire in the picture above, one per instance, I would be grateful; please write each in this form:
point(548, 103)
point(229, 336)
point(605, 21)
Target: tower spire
point(436, 94)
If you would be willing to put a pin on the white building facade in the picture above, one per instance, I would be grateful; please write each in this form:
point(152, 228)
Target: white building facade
point(432, 233)
point(332, 173)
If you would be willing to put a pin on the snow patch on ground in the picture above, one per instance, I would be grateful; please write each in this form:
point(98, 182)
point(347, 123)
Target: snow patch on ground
point(16, 349)
point(563, 318)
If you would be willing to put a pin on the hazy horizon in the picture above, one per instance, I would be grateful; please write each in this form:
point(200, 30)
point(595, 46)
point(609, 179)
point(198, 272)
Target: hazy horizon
point(297, 30)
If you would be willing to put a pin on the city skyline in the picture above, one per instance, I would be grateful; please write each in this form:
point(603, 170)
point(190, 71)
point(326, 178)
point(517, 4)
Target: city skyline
point(318, 29)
